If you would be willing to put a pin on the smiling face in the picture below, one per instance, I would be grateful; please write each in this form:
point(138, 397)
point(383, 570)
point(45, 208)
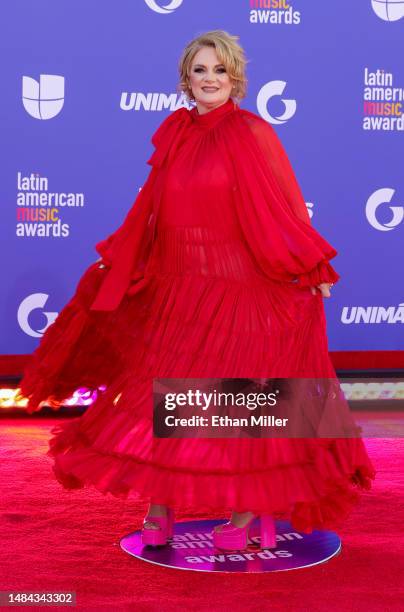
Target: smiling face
point(209, 81)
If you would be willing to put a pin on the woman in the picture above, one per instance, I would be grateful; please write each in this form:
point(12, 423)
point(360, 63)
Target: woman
point(215, 272)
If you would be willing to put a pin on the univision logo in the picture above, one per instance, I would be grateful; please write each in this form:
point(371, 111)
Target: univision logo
point(169, 8)
point(389, 10)
point(43, 99)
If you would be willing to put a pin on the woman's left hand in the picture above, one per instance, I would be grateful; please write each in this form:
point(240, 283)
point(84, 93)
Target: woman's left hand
point(324, 288)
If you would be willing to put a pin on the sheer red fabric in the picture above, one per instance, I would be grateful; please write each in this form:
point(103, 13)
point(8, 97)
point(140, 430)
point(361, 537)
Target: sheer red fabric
point(267, 198)
point(207, 277)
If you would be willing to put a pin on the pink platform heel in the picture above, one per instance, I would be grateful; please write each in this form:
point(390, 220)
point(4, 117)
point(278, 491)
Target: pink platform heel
point(231, 537)
point(158, 537)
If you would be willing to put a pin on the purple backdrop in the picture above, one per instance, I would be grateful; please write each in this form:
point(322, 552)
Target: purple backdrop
point(86, 84)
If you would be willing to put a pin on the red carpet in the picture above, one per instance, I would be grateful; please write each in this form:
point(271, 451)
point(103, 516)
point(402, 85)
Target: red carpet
point(55, 540)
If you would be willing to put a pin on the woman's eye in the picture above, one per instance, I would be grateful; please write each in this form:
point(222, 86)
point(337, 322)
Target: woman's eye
point(201, 70)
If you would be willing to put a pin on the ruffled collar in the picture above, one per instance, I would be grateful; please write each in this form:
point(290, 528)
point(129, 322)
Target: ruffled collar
point(210, 118)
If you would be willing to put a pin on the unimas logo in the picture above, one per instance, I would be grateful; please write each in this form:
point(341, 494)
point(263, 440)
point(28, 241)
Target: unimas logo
point(35, 301)
point(389, 10)
point(43, 99)
point(273, 12)
point(168, 8)
point(275, 89)
point(377, 200)
point(152, 101)
point(373, 315)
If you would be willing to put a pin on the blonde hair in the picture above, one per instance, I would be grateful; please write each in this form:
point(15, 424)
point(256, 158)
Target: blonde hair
point(230, 54)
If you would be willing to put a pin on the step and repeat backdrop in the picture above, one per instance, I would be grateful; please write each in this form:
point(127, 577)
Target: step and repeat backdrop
point(85, 85)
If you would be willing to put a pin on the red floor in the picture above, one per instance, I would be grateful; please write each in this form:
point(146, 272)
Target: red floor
point(56, 540)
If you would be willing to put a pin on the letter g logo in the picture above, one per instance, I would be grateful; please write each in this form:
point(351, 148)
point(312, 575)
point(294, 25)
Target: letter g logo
point(378, 198)
point(169, 8)
point(35, 301)
point(268, 91)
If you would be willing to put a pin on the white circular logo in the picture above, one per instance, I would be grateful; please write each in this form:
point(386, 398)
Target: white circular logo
point(271, 90)
point(169, 8)
point(389, 10)
point(34, 302)
point(377, 199)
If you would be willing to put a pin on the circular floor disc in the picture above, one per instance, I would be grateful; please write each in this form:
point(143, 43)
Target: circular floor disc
point(192, 549)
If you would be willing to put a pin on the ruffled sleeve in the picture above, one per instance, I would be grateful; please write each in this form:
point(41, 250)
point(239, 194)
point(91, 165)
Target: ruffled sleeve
point(322, 273)
point(272, 209)
point(274, 151)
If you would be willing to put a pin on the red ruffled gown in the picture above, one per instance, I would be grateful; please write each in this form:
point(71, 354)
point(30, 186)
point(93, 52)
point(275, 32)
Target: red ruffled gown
point(202, 307)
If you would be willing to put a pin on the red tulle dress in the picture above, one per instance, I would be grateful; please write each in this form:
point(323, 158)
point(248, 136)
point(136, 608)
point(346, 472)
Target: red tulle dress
point(205, 304)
